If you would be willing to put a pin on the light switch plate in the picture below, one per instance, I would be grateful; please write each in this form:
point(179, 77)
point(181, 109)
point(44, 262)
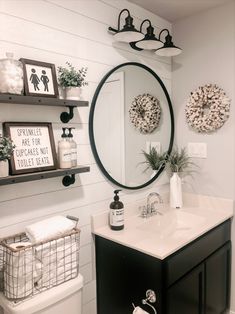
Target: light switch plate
point(197, 150)
point(157, 145)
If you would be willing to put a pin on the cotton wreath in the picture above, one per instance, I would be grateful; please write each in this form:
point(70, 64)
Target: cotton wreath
point(145, 113)
point(207, 108)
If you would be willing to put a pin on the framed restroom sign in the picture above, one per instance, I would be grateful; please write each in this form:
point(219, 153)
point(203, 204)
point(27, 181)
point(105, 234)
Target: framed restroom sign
point(39, 78)
point(35, 147)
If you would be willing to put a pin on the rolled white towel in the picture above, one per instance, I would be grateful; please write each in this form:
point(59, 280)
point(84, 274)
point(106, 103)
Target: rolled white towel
point(59, 261)
point(52, 227)
point(20, 272)
point(57, 251)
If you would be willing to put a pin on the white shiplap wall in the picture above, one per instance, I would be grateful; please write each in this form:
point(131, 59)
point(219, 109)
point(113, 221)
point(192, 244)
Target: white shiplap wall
point(57, 31)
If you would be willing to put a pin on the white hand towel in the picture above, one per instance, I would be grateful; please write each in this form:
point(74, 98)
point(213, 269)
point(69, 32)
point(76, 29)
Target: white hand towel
point(52, 227)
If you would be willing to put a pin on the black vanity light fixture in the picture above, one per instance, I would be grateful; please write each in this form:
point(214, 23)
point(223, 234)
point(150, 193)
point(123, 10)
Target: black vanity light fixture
point(168, 49)
point(128, 33)
point(149, 41)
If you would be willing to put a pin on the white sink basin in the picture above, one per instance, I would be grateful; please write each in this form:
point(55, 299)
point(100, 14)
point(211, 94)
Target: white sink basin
point(162, 235)
point(175, 223)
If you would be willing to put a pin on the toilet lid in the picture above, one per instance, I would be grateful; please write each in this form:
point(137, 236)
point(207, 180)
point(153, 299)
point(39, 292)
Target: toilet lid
point(44, 299)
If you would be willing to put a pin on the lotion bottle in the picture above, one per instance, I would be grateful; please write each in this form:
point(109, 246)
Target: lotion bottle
point(73, 146)
point(116, 218)
point(64, 152)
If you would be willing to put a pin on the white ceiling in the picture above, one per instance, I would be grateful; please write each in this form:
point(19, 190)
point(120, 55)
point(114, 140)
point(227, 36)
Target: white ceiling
point(173, 10)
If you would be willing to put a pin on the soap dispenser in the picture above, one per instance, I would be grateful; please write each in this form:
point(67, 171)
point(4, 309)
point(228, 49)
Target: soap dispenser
point(73, 146)
point(64, 151)
point(116, 218)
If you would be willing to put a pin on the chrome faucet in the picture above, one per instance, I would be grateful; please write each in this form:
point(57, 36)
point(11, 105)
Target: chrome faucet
point(150, 209)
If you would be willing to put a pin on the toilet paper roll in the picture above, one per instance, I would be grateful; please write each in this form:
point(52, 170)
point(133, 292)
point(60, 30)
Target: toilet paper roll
point(139, 310)
point(19, 245)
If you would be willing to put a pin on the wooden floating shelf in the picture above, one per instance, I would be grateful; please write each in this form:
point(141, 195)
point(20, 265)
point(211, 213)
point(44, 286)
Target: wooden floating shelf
point(41, 101)
point(44, 175)
point(65, 117)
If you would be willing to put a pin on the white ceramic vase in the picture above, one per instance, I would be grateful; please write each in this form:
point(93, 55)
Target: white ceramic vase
point(73, 93)
point(176, 191)
point(4, 168)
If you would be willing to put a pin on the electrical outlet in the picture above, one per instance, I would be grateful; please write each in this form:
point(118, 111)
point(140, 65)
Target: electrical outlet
point(157, 145)
point(197, 150)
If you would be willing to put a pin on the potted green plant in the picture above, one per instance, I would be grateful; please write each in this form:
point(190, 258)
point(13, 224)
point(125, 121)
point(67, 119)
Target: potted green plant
point(153, 160)
point(6, 151)
point(71, 80)
point(179, 162)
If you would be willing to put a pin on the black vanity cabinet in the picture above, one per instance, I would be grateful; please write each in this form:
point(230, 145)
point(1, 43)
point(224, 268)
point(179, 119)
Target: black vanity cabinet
point(218, 280)
point(187, 295)
point(205, 289)
point(194, 280)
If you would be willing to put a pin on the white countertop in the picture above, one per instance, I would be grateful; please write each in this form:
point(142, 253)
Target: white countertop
point(162, 235)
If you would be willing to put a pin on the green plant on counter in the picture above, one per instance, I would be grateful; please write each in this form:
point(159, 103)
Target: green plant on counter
point(153, 159)
point(6, 148)
point(179, 161)
point(70, 77)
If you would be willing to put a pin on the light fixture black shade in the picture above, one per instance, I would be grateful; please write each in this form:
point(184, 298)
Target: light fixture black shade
point(128, 33)
point(168, 49)
point(138, 41)
point(150, 42)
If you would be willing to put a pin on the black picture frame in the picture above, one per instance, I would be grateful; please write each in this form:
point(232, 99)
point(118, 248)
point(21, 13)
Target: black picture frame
point(35, 147)
point(39, 78)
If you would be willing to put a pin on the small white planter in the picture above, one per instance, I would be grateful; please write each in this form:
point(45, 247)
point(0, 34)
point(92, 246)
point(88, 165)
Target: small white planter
point(176, 191)
point(73, 93)
point(61, 92)
point(4, 168)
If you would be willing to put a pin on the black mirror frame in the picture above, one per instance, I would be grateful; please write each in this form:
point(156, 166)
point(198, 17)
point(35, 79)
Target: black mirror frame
point(91, 129)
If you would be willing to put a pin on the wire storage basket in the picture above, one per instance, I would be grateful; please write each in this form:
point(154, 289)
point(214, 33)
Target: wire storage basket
point(28, 269)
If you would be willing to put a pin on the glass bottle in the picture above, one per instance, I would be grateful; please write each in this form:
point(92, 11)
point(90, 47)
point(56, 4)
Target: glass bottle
point(11, 73)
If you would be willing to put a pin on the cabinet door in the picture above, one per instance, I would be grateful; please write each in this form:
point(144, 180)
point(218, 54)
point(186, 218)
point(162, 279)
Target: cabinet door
point(186, 296)
point(123, 276)
point(218, 280)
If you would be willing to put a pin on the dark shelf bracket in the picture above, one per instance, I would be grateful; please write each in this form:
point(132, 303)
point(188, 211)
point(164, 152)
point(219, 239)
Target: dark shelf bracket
point(65, 117)
point(68, 180)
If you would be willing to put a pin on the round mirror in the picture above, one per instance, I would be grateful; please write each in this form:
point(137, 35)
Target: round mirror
point(130, 112)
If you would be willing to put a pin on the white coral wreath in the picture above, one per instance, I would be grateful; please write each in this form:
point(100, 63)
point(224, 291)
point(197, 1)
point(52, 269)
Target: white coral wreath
point(145, 113)
point(207, 108)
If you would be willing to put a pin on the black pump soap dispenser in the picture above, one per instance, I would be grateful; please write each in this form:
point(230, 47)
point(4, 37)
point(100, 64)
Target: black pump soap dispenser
point(116, 218)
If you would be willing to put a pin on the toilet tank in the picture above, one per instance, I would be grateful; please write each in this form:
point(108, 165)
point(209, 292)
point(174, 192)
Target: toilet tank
point(66, 298)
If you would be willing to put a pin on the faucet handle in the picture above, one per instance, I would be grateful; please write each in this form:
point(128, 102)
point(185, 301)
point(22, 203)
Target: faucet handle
point(155, 210)
point(152, 208)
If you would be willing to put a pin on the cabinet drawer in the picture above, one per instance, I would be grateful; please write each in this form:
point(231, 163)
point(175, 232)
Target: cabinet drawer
point(194, 253)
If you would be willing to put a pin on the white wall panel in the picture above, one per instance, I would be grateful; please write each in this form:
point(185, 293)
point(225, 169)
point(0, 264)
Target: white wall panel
point(139, 13)
point(57, 31)
point(22, 190)
point(89, 292)
point(90, 308)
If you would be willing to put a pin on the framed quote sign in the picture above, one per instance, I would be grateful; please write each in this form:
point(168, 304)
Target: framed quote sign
point(35, 147)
